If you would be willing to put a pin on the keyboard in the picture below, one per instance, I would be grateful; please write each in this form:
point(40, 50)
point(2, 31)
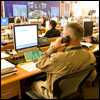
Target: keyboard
point(29, 66)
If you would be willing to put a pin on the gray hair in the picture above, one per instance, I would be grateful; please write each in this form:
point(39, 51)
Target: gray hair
point(77, 29)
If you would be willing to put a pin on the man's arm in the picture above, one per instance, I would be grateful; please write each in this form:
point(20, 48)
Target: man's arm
point(50, 63)
point(50, 51)
point(51, 59)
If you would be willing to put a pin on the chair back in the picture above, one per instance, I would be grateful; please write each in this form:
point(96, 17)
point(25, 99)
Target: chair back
point(69, 84)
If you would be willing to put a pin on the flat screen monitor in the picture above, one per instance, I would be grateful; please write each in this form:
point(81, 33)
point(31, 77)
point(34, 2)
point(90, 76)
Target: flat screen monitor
point(12, 20)
point(19, 10)
point(88, 28)
point(4, 21)
point(25, 36)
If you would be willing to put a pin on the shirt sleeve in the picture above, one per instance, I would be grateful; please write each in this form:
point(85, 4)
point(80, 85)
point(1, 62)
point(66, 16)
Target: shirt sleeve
point(49, 63)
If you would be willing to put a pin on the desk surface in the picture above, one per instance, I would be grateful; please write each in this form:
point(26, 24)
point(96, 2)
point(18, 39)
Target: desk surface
point(20, 74)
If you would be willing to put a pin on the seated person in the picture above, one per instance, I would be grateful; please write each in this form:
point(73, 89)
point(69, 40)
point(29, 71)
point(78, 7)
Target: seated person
point(96, 36)
point(53, 32)
point(91, 39)
point(61, 59)
point(17, 20)
point(43, 21)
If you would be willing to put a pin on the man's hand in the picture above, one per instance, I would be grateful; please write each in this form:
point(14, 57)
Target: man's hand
point(57, 44)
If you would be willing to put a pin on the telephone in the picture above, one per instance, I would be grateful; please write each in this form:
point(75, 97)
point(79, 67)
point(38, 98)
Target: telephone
point(66, 39)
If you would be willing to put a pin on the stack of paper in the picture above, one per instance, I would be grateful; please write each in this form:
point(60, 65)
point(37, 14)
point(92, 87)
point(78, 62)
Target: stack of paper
point(4, 55)
point(7, 68)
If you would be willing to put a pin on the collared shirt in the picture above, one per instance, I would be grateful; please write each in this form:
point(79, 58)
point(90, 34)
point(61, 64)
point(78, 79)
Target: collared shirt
point(62, 63)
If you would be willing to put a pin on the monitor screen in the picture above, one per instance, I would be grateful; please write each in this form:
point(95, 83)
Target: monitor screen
point(20, 10)
point(11, 20)
point(4, 21)
point(88, 28)
point(25, 36)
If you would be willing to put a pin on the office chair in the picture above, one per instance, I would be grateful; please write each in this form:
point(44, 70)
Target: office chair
point(71, 85)
point(67, 86)
point(96, 53)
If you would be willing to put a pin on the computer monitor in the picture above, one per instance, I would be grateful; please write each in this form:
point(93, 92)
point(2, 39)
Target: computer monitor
point(25, 36)
point(12, 20)
point(88, 28)
point(4, 21)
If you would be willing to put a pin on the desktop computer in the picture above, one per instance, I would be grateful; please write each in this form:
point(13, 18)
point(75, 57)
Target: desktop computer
point(11, 20)
point(4, 21)
point(26, 37)
point(88, 28)
point(26, 43)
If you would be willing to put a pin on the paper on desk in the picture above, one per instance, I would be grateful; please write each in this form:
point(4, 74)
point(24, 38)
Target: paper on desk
point(6, 64)
point(30, 66)
point(4, 55)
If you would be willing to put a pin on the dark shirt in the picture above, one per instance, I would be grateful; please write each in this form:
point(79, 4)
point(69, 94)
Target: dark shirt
point(43, 24)
point(52, 33)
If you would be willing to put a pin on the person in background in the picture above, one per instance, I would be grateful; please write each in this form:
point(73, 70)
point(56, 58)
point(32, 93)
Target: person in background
point(92, 39)
point(57, 63)
point(18, 20)
point(96, 36)
point(43, 21)
point(53, 32)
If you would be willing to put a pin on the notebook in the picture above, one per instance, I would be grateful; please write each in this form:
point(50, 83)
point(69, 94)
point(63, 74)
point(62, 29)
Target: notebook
point(6, 66)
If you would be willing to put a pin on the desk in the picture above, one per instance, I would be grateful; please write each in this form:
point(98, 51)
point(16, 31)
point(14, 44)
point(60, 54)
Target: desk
point(10, 86)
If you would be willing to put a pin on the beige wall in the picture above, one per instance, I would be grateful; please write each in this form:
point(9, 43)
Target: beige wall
point(65, 7)
point(61, 9)
point(83, 7)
